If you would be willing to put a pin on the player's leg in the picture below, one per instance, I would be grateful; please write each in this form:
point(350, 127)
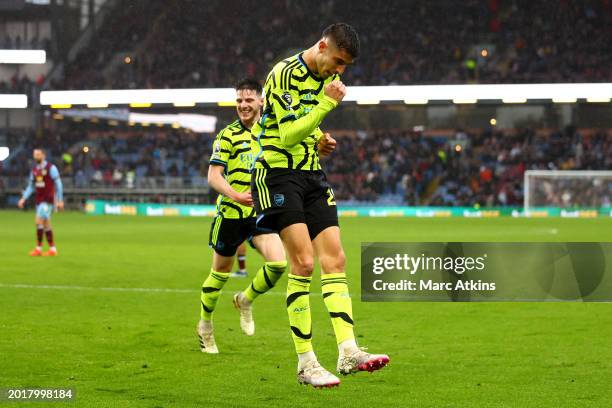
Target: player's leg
point(37, 251)
point(328, 248)
point(241, 260)
point(278, 197)
point(212, 286)
point(39, 220)
point(222, 240)
point(301, 260)
point(271, 248)
point(49, 235)
point(321, 216)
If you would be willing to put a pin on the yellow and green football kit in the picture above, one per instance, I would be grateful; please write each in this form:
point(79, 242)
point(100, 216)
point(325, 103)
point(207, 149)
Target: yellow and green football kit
point(234, 222)
point(287, 183)
point(289, 186)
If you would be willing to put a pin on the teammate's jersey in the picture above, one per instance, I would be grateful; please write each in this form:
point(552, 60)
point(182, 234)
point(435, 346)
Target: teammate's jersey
point(45, 182)
point(291, 91)
point(232, 150)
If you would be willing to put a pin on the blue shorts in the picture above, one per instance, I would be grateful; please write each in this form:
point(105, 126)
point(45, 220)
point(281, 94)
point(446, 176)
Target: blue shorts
point(44, 210)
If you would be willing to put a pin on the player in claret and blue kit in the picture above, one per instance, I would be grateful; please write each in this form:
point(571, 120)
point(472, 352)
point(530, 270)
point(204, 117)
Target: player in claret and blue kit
point(46, 184)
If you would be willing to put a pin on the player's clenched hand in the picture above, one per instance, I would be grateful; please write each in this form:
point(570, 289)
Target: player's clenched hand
point(21, 203)
point(335, 90)
point(243, 198)
point(327, 144)
point(60, 205)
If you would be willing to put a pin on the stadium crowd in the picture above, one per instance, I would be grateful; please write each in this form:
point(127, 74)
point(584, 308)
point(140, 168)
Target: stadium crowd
point(121, 159)
point(487, 41)
point(17, 43)
point(23, 85)
point(484, 167)
point(385, 167)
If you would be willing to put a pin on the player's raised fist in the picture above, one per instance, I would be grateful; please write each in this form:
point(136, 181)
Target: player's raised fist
point(335, 90)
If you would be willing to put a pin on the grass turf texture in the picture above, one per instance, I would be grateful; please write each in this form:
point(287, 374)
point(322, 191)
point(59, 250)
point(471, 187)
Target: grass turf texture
point(132, 349)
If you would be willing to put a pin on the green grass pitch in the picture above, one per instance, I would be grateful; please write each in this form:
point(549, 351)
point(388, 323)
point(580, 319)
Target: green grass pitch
point(130, 348)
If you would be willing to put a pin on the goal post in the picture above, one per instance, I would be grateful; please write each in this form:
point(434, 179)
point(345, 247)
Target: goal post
point(567, 189)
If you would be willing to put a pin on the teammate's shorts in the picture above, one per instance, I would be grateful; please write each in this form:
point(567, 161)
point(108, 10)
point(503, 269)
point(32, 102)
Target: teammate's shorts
point(284, 197)
point(226, 234)
point(44, 210)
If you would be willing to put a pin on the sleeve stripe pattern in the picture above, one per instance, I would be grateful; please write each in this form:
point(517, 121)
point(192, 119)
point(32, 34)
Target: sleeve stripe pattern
point(286, 74)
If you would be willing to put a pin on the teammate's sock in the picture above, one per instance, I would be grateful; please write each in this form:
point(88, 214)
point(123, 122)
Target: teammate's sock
point(339, 306)
point(49, 235)
point(211, 288)
point(242, 263)
point(39, 236)
point(298, 308)
point(265, 279)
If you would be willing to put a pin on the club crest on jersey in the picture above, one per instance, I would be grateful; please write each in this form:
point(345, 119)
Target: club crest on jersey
point(287, 98)
point(279, 199)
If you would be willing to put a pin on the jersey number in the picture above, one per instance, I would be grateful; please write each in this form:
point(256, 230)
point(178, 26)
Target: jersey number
point(331, 200)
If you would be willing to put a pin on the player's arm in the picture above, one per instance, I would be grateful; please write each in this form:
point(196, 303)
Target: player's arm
point(216, 179)
point(59, 187)
point(27, 192)
point(222, 148)
point(293, 130)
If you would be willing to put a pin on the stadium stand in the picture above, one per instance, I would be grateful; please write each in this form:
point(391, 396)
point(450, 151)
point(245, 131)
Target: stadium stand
point(480, 41)
point(459, 168)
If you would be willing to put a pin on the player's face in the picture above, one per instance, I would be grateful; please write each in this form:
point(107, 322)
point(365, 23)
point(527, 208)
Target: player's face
point(248, 105)
point(39, 156)
point(331, 59)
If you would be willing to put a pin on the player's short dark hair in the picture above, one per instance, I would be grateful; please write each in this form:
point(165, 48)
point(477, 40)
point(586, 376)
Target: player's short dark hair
point(249, 83)
point(41, 149)
point(345, 37)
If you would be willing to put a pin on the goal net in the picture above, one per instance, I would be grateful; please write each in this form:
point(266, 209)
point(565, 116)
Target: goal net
point(567, 189)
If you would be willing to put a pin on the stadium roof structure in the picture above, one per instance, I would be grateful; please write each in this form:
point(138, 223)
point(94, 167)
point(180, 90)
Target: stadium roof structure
point(23, 56)
point(19, 101)
point(362, 95)
point(9, 101)
point(195, 122)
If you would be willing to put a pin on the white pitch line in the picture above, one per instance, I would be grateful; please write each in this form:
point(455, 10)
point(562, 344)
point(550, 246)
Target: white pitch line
point(91, 288)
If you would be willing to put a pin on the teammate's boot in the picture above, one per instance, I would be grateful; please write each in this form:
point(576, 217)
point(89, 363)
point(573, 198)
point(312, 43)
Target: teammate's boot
point(359, 360)
point(36, 252)
point(246, 314)
point(239, 274)
point(51, 252)
point(207, 337)
point(313, 374)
